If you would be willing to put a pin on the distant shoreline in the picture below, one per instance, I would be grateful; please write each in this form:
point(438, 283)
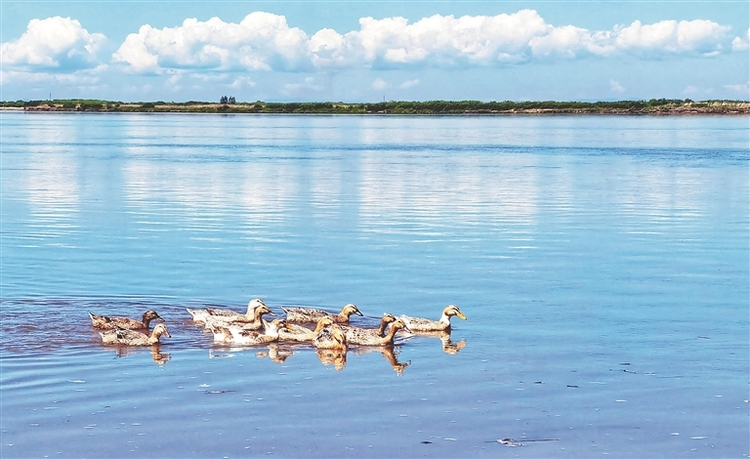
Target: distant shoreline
point(664, 107)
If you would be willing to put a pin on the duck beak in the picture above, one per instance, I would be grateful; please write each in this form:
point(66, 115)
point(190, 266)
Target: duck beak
point(166, 333)
point(359, 313)
point(461, 315)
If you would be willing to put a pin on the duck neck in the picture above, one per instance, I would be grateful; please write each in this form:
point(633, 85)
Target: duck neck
point(388, 338)
point(258, 317)
point(154, 338)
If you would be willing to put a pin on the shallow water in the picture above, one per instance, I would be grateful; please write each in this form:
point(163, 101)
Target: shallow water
point(602, 263)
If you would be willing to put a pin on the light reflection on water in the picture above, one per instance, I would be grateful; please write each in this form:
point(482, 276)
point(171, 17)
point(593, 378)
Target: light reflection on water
point(602, 262)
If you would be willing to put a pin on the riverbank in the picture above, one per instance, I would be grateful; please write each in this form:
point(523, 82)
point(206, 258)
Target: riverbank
point(633, 107)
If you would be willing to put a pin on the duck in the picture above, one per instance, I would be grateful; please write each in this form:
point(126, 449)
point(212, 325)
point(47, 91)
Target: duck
point(133, 337)
point(299, 333)
point(231, 334)
point(418, 324)
point(331, 337)
point(199, 315)
point(257, 322)
point(112, 323)
point(311, 315)
point(356, 335)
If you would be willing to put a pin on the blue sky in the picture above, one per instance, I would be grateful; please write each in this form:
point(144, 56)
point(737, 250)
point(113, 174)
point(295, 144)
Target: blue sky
point(367, 51)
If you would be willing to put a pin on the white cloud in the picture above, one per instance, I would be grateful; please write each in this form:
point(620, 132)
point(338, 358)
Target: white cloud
point(616, 87)
point(308, 85)
point(56, 43)
point(379, 84)
point(409, 84)
point(445, 40)
point(671, 37)
point(265, 42)
point(743, 89)
point(261, 41)
point(740, 44)
point(243, 81)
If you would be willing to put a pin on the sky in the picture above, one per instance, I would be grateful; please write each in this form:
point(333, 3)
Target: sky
point(369, 51)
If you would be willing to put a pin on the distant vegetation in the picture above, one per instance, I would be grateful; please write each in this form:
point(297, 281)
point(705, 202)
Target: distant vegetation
point(228, 104)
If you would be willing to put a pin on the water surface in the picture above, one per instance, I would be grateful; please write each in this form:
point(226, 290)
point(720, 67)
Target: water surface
point(602, 263)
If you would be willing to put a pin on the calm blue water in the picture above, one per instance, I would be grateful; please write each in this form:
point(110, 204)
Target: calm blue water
point(603, 264)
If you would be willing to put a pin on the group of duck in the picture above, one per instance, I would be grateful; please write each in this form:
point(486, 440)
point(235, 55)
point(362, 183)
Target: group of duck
point(323, 329)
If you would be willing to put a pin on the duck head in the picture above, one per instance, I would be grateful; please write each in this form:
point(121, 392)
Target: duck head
point(262, 310)
point(388, 318)
point(350, 309)
point(160, 330)
point(254, 304)
point(399, 324)
point(322, 323)
point(150, 315)
point(452, 310)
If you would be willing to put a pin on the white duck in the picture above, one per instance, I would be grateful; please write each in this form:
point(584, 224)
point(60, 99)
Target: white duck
point(232, 334)
point(299, 333)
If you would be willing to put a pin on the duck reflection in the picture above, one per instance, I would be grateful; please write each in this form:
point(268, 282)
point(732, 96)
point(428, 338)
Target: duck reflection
point(449, 347)
point(278, 353)
point(159, 358)
point(389, 353)
point(333, 356)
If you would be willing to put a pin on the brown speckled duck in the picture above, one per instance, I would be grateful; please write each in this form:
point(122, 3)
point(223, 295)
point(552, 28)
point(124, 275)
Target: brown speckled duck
point(299, 333)
point(242, 320)
point(111, 323)
point(418, 324)
point(199, 315)
point(133, 337)
point(355, 335)
point(311, 315)
point(331, 337)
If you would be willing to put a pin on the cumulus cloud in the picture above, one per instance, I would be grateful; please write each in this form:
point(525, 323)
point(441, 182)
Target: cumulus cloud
point(243, 81)
point(740, 44)
point(743, 89)
point(409, 84)
point(616, 87)
point(441, 40)
point(262, 41)
point(379, 84)
point(671, 37)
point(266, 42)
point(56, 43)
